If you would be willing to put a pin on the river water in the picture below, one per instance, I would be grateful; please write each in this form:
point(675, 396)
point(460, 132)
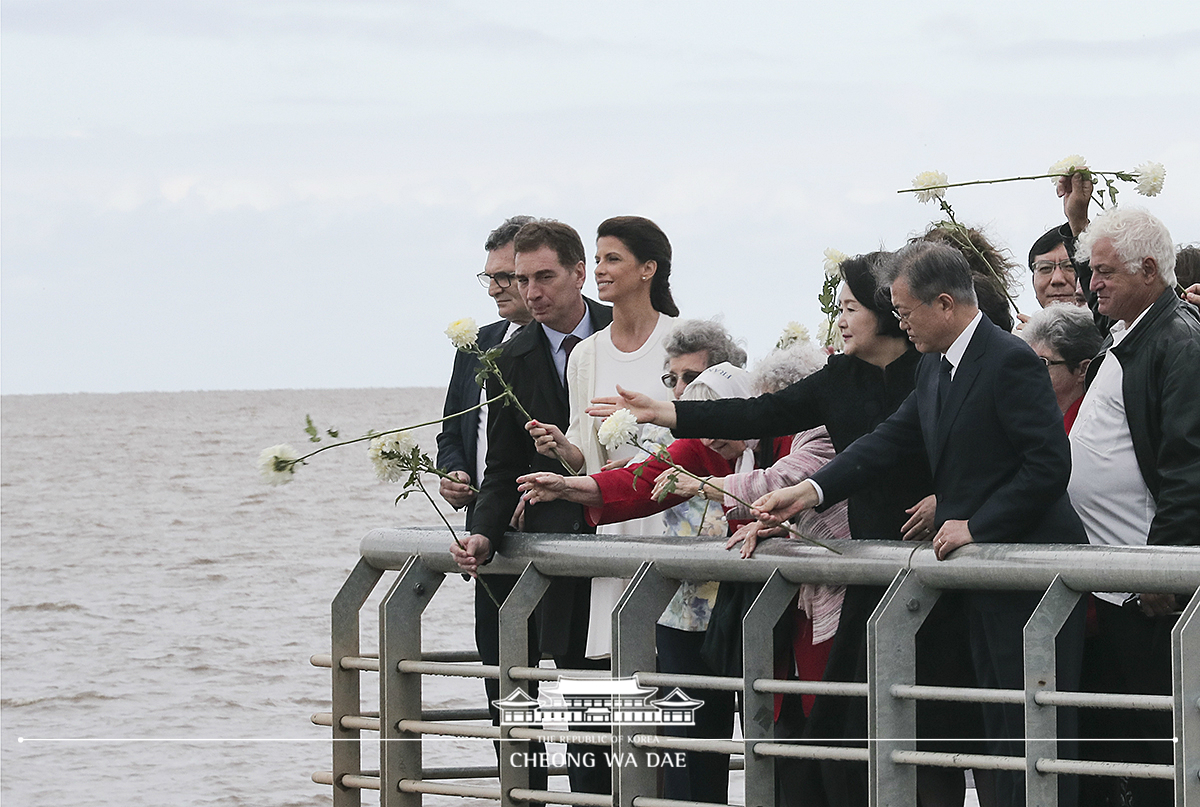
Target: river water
point(159, 603)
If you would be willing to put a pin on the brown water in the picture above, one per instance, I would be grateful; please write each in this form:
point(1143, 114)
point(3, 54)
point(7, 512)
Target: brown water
point(160, 603)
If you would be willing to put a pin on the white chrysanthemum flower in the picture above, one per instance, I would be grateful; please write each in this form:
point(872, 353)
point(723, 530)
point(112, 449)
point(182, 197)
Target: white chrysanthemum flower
point(463, 333)
point(833, 260)
point(830, 336)
point(277, 464)
point(1067, 165)
point(617, 429)
point(928, 179)
point(388, 453)
point(794, 332)
point(1150, 178)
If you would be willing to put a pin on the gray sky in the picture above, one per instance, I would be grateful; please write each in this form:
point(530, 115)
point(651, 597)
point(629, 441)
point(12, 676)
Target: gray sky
point(235, 194)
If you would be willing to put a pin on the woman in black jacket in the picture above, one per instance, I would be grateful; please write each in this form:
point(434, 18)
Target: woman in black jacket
point(855, 392)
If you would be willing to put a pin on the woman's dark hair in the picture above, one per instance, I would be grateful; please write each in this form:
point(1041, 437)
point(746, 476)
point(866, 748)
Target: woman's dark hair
point(859, 273)
point(647, 242)
point(994, 274)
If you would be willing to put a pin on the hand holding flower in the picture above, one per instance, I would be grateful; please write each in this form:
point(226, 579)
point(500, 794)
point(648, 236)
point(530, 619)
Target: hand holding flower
point(549, 441)
point(1076, 192)
point(776, 507)
point(455, 488)
point(671, 483)
point(471, 553)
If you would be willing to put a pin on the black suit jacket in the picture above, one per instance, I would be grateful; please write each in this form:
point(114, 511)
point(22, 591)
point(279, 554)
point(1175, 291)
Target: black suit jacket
point(527, 365)
point(998, 452)
point(459, 440)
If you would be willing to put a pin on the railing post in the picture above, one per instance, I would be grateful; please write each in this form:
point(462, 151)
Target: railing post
point(400, 693)
point(515, 612)
point(892, 659)
point(759, 707)
point(1185, 652)
point(344, 637)
point(1041, 671)
point(633, 641)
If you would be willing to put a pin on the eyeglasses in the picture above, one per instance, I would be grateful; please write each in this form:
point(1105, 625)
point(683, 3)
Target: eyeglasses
point(670, 379)
point(1051, 362)
point(903, 318)
point(503, 279)
point(1046, 268)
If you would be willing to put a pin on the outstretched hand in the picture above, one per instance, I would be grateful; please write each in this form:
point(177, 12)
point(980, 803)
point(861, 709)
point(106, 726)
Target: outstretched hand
point(542, 487)
point(644, 408)
point(776, 507)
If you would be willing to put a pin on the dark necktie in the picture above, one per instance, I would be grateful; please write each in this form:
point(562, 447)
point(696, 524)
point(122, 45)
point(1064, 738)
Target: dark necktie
point(568, 344)
point(944, 383)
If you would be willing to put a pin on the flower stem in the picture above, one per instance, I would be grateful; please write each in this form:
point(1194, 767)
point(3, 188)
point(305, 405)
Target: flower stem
point(663, 456)
point(1006, 179)
point(454, 535)
point(393, 431)
point(966, 241)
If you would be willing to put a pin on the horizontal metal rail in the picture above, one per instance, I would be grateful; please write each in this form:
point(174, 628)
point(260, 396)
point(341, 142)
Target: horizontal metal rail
point(1030, 567)
point(448, 668)
point(559, 797)
point(1061, 571)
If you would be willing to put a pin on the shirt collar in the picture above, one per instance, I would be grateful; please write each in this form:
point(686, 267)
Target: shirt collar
point(954, 354)
point(583, 330)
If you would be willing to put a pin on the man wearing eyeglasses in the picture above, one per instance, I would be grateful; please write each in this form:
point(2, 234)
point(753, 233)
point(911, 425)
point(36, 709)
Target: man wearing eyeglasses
point(1053, 270)
point(462, 445)
point(985, 415)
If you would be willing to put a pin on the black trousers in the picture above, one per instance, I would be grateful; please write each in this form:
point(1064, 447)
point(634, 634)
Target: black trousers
point(1130, 654)
point(706, 775)
point(487, 642)
point(997, 649)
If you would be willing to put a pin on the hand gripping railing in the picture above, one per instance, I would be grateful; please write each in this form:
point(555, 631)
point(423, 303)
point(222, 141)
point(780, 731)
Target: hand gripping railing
point(914, 579)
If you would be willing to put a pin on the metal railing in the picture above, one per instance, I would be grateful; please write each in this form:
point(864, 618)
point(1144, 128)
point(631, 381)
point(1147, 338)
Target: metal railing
point(913, 578)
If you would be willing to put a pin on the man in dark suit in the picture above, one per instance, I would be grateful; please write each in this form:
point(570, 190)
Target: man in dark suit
point(462, 445)
point(460, 449)
point(550, 271)
point(984, 413)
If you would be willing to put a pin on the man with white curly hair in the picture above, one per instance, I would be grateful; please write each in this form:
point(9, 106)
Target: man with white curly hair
point(1135, 476)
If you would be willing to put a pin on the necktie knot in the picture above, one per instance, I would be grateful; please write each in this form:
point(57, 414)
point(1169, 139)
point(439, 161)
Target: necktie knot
point(569, 343)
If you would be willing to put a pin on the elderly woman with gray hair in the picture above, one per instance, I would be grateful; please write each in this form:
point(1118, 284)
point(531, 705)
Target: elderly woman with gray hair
point(1066, 339)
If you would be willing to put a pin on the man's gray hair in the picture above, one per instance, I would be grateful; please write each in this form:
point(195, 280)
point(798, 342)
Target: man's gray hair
point(1135, 234)
point(931, 269)
point(694, 335)
point(782, 368)
point(505, 233)
point(1068, 330)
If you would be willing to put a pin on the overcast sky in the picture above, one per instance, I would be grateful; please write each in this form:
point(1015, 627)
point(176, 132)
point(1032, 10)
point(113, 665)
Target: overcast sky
point(235, 194)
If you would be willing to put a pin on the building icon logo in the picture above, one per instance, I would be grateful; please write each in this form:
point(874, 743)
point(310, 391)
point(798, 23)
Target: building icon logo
point(599, 701)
